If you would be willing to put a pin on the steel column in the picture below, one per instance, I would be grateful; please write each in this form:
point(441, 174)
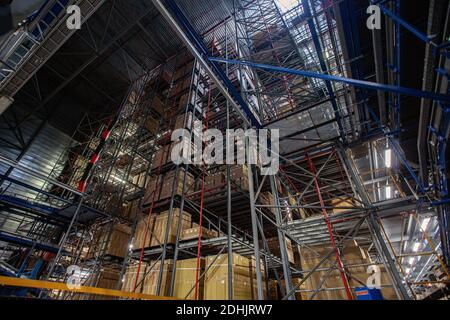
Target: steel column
point(374, 228)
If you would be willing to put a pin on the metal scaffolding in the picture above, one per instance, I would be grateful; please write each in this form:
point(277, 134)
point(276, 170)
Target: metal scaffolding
point(343, 180)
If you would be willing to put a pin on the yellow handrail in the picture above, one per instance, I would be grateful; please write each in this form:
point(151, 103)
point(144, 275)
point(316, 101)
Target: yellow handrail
point(39, 284)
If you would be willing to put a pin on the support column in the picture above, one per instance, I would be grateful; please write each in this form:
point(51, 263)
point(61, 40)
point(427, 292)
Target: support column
point(284, 255)
point(374, 228)
point(255, 230)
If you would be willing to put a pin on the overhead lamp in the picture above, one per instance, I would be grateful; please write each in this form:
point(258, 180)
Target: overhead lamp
point(388, 158)
point(407, 270)
point(425, 223)
point(411, 260)
point(416, 246)
point(117, 179)
point(388, 190)
point(286, 5)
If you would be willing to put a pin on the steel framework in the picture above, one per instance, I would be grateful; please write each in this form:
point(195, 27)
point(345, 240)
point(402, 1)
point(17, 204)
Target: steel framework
point(264, 66)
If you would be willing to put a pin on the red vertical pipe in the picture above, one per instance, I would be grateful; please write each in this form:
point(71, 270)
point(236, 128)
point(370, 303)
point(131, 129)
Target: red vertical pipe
point(330, 232)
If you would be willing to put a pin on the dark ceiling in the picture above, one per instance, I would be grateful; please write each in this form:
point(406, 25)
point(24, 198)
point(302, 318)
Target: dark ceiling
point(124, 38)
point(93, 69)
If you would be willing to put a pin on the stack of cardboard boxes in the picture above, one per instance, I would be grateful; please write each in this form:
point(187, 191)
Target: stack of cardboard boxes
point(267, 199)
point(114, 244)
point(340, 204)
point(212, 286)
point(355, 261)
point(107, 278)
point(147, 281)
point(214, 181)
point(130, 275)
point(239, 176)
point(274, 247)
point(156, 228)
point(277, 293)
point(192, 233)
point(185, 276)
point(160, 187)
point(216, 278)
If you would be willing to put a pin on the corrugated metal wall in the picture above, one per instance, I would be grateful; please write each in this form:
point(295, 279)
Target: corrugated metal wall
point(48, 150)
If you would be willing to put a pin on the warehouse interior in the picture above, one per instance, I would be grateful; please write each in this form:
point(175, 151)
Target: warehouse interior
point(92, 207)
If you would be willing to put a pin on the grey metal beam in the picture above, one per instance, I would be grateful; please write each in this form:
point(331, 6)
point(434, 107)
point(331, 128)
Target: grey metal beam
point(374, 228)
point(282, 240)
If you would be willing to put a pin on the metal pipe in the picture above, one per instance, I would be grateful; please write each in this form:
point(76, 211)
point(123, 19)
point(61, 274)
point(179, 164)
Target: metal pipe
point(353, 82)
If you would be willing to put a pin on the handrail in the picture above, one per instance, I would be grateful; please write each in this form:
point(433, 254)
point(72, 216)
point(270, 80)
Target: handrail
point(50, 285)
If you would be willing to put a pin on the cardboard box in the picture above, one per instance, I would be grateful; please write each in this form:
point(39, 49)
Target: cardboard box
point(342, 203)
point(160, 227)
point(239, 176)
point(216, 278)
point(214, 181)
point(267, 199)
point(152, 125)
point(351, 255)
point(151, 278)
point(139, 179)
point(254, 282)
point(107, 278)
point(130, 275)
point(115, 245)
point(185, 279)
point(144, 225)
point(192, 233)
point(156, 229)
point(161, 157)
point(274, 247)
point(158, 105)
point(167, 184)
point(275, 292)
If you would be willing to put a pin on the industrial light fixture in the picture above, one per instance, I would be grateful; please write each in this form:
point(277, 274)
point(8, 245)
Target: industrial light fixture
point(388, 192)
point(411, 260)
point(425, 223)
point(388, 158)
point(416, 246)
point(117, 179)
point(286, 5)
point(407, 270)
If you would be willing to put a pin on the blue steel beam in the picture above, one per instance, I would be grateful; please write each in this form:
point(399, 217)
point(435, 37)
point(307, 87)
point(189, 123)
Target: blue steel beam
point(197, 41)
point(353, 82)
point(46, 210)
point(27, 242)
point(352, 43)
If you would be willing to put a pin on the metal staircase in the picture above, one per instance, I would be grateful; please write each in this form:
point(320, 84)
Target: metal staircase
point(25, 51)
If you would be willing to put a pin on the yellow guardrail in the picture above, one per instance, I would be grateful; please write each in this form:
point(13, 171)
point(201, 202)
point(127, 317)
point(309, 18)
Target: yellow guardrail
point(39, 284)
